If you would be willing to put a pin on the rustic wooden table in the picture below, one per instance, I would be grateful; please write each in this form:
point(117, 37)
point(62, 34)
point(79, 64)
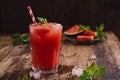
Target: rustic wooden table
point(15, 61)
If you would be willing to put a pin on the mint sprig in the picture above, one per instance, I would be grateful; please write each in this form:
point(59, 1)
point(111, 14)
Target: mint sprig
point(42, 20)
point(92, 72)
point(15, 35)
point(99, 31)
point(20, 38)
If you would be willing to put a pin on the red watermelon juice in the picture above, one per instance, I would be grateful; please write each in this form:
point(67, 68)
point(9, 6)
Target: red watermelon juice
point(45, 42)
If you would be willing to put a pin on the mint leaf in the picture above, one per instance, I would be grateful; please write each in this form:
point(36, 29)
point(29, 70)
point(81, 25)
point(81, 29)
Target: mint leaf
point(84, 27)
point(15, 35)
point(18, 38)
point(25, 77)
point(25, 38)
point(100, 71)
point(16, 41)
point(91, 69)
point(42, 20)
point(99, 31)
point(86, 76)
point(101, 27)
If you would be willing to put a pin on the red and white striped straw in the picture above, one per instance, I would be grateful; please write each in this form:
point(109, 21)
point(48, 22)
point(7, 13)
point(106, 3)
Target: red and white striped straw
point(31, 14)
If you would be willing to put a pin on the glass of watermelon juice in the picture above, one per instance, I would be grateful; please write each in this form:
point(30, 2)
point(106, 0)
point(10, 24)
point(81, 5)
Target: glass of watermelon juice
point(45, 42)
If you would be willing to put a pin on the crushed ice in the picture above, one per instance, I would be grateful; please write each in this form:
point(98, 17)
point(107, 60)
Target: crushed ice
point(93, 57)
point(35, 73)
point(77, 71)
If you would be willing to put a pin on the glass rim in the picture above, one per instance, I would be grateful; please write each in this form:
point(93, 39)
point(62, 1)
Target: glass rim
point(34, 25)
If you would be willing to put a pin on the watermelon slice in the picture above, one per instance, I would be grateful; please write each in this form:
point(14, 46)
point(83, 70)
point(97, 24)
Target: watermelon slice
point(84, 38)
point(89, 33)
point(73, 30)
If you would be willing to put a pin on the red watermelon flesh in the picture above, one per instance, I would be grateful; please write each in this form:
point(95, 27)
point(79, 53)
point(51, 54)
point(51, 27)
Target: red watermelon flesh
point(89, 33)
point(84, 38)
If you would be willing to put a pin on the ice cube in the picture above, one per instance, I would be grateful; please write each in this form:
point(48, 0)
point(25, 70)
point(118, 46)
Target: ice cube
point(31, 73)
point(77, 71)
point(93, 57)
point(35, 73)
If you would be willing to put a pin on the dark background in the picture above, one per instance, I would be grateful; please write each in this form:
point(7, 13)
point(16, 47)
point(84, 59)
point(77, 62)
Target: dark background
point(14, 16)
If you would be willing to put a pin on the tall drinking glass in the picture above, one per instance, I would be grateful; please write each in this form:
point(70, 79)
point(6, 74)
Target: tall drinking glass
point(45, 42)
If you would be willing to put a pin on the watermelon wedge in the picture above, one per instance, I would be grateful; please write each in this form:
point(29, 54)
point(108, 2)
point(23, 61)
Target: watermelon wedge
point(89, 33)
point(73, 30)
point(84, 38)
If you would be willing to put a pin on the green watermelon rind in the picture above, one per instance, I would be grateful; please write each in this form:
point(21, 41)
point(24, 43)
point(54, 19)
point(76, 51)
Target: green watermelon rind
point(74, 33)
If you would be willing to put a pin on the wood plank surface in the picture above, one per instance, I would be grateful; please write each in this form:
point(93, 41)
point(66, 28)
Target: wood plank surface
point(15, 61)
point(108, 55)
